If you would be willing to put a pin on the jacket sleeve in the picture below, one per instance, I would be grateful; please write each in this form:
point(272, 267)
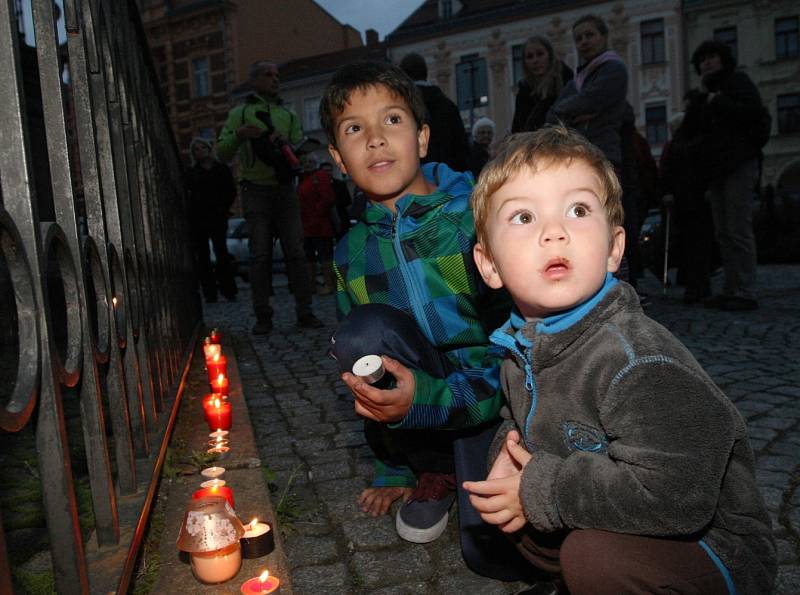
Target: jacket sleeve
point(295, 129)
point(519, 108)
point(468, 397)
point(670, 438)
point(228, 143)
point(739, 101)
point(603, 89)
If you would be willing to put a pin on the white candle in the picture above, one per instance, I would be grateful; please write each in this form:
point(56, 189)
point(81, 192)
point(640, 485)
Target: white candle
point(213, 472)
point(254, 529)
point(218, 566)
point(213, 483)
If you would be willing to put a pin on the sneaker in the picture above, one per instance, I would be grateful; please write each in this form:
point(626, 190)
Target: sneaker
point(423, 517)
point(309, 321)
point(739, 304)
point(262, 327)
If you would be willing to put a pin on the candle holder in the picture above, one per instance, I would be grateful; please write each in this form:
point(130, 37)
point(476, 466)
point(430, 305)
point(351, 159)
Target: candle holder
point(370, 369)
point(212, 488)
point(258, 540)
point(221, 385)
point(219, 415)
point(216, 365)
point(219, 434)
point(210, 533)
point(211, 349)
point(215, 336)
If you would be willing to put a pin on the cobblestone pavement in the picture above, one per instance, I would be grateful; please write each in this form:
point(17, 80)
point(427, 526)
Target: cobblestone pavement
point(310, 437)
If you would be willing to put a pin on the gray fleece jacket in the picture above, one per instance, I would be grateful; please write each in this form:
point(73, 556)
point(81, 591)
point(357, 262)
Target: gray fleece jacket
point(630, 435)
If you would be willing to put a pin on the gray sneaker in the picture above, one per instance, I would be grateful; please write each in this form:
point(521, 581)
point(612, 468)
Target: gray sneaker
point(423, 517)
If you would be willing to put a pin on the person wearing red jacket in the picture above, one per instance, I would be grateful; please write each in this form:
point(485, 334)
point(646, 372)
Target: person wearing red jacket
point(317, 198)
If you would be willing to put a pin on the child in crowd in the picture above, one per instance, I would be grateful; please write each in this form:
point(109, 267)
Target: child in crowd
point(620, 467)
point(408, 290)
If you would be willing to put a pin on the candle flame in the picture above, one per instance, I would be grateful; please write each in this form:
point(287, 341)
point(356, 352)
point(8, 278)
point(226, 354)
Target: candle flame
point(220, 378)
point(264, 576)
point(216, 403)
point(213, 489)
point(253, 524)
point(114, 300)
point(216, 357)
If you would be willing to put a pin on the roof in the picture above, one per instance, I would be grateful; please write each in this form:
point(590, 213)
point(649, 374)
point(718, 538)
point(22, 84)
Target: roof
point(328, 63)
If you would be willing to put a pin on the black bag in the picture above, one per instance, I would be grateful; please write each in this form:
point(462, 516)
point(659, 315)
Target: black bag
point(268, 152)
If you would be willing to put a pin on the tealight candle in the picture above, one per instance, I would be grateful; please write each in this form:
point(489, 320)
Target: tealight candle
point(220, 441)
point(219, 415)
point(216, 365)
point(220, 385)
point(261, 585)
point(213, 472)
point(258, 540)
point(370, 369)
point(218, 434)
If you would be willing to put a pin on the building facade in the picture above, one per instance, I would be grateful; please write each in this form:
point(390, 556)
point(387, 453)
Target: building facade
point(765, 38)
point(203, 49)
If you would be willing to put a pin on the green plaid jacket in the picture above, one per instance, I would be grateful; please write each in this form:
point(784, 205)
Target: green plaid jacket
point(419, 260)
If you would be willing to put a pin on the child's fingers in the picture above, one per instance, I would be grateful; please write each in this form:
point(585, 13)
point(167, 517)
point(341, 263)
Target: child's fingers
point(514, 525)
point(501, 517)
point(520, 455)
point(482, 488)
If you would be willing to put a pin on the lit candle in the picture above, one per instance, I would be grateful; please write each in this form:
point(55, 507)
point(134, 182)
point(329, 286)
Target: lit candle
point(258, 540)
point(218, 441)
point(261, 585)
point(215, 336)
point(218, 489)
point(218, 434)
point(211, 349)
point(216, 365)
point(208, 400)
point(213, 472)
point(220, 385)
point(218, 415)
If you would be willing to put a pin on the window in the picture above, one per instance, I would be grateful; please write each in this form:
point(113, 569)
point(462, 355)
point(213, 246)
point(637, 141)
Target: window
point(655, 117)
point(517, 61)
point(787, 38)
point(311, 114)
point(788, 113)
point(445, 9)
point(472, 82)
point(727, 36)
point(200, 77)
point(652, 39)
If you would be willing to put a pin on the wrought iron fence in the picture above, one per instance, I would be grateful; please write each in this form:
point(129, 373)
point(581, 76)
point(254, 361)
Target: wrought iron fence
point(97, 293)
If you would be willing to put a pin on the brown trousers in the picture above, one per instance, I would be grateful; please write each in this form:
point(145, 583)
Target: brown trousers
point(594, 562)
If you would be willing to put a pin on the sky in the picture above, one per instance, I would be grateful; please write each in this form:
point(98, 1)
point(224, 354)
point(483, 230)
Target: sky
point(382, 15)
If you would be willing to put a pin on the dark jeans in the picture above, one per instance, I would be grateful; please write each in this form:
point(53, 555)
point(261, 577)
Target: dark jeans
point(595, 562)
point(222, 274)
point(274, 211)
point(383, 330)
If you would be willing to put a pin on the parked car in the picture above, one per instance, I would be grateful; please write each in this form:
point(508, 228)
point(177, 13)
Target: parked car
point(238, 241)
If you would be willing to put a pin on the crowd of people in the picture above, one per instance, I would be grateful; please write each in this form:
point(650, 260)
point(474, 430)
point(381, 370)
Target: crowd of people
point(505, 312)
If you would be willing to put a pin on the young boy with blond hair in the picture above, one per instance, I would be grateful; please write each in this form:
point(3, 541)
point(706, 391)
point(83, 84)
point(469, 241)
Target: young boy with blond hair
point(620, 467)
point(408, 290)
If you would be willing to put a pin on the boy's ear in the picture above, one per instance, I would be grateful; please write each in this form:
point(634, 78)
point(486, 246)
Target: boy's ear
point(617, 249)
point(486, 267)
point(337, 157)
point(423, 136)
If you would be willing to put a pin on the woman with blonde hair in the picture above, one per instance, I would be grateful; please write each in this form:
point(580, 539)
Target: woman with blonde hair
point(545, 75)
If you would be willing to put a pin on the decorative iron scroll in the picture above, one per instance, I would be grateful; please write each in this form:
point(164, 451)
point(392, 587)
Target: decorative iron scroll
point(100, 305)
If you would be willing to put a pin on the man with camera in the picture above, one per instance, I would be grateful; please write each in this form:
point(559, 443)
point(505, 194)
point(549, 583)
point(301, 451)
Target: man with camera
point(261, 132)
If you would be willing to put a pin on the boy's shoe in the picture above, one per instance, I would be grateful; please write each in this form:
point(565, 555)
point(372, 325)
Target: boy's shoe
point(309, 321)
point(423, 517)
point(262, 327)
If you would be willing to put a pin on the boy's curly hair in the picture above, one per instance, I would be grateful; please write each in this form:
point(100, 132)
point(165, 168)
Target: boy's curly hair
point(360, 76)
point(548, 146)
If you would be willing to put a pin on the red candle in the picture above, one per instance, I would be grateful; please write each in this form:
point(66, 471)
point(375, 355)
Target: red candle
point(218, 415)
point(261, 585)
point(211, 349)
point(216, 365)
point(220, 385)
point(208, 400)
point(220, 490)
point(215, 336)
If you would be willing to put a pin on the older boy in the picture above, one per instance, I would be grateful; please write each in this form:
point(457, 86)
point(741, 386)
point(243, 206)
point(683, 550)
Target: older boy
point(408, 290)
point(621, 466)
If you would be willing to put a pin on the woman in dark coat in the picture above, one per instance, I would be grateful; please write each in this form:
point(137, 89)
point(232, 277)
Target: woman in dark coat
point(545, 75)
point(211, 191)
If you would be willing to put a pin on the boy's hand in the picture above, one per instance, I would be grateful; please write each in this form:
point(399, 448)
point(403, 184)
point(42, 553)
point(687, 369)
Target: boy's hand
point(497, 498)
point(385, 406)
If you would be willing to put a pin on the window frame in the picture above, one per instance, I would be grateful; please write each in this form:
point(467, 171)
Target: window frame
point(786, 37)
point(787, 112)
point(477, 65)
point(719, 36)
point(195, 76)
point(660, 134)
point(652, 43)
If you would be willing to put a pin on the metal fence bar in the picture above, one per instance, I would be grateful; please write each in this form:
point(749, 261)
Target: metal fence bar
point(105, 240)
